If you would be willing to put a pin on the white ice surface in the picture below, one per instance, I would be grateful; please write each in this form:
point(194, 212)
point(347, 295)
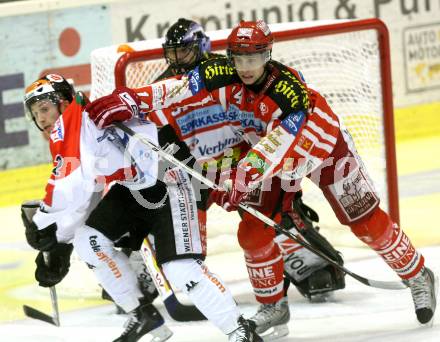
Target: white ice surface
point(357, 313)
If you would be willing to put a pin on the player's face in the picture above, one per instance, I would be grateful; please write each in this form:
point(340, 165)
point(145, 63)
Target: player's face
point(182, 55)
point(249, 67)
point(45, 113)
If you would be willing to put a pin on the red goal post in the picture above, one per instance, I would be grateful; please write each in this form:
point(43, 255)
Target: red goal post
point(347, 61)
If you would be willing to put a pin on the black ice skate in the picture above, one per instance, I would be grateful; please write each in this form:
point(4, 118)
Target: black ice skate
point(271, 320)
point(245, 332)
point(145, 320)
point(423, 290)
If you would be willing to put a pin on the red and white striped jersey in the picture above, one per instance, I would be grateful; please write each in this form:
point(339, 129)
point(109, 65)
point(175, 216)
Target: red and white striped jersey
point(297, 144)
point(212, 110)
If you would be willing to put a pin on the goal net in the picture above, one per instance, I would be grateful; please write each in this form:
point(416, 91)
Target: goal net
point(347, 61)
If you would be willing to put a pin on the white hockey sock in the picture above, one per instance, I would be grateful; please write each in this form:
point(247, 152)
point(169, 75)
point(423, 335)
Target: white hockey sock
point(208, 293)
point(111, 267)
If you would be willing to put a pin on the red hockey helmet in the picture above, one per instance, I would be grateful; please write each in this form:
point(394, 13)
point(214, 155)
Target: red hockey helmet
point(250, 37)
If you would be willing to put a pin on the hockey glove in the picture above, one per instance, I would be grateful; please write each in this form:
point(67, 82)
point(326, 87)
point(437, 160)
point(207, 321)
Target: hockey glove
point(238, 187)
point(59, 263)
point(121, 105)
point(221, 198)
point(43, 239)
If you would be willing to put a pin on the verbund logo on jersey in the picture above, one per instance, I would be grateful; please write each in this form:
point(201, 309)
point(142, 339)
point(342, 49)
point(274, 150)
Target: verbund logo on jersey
point(218, 147)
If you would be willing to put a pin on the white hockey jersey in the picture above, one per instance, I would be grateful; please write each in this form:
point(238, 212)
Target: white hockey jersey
point(84, 160)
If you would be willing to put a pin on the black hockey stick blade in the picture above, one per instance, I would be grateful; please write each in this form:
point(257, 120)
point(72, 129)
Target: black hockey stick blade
point(182, 313)
point(41, 316)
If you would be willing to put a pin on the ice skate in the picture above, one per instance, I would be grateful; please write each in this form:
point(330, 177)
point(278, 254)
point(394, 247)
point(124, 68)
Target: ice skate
point(424, 290)
point(142, 321)
point(271, 320)
point(245, 332)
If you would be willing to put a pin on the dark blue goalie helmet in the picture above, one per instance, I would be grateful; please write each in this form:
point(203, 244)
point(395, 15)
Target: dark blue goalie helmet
point(185, 44)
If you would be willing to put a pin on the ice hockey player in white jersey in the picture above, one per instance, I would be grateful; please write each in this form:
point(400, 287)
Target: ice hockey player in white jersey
point(72, 192)
point(138, 204)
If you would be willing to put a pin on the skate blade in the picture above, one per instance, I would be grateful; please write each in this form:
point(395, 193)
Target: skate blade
point(160, 334)
point(322, 297)
point(275, 332)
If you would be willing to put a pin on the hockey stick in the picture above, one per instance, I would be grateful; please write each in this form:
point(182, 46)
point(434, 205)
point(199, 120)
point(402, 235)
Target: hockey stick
point(388, 285)
point(177, 311)
point(36, 314)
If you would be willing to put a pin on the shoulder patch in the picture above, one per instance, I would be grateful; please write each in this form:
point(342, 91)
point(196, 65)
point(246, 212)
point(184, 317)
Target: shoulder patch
point(217, 73)
point(289, 92)
point(195, 81)
point(293, 122)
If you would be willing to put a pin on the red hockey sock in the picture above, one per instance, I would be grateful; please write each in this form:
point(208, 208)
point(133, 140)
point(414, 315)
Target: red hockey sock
point(265, 268)
point(390, 242)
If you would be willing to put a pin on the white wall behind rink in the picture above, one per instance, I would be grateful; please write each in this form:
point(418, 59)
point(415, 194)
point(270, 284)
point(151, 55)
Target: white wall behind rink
point(413, 25)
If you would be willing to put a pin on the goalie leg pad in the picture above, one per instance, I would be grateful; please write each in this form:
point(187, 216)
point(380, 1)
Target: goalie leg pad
point(318, 277)
point(206, 290)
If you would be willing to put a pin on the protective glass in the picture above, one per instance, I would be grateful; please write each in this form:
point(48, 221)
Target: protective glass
point(244, 62)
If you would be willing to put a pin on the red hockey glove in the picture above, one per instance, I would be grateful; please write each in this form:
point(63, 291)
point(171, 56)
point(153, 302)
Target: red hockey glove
point(238, 188)
point(221, 198)
point(121, 105)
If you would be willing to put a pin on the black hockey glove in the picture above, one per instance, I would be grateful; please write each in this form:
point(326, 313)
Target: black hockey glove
point(59, 263)
point(43, 239)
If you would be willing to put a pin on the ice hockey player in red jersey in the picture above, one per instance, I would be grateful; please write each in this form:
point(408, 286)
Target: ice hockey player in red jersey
point(216, 140)
point(306, 139)
point(186, 46)
point(302, 138)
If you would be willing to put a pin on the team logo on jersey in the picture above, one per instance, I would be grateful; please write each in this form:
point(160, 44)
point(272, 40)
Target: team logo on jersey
point(195, 81)
point(293, 122)
point(263, 108)
point(358, 197)
point(57, 133)
point(257, 162)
